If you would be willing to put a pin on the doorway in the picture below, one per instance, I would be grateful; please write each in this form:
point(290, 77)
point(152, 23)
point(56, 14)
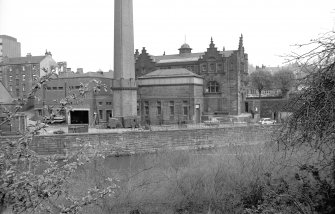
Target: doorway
point(197, 113)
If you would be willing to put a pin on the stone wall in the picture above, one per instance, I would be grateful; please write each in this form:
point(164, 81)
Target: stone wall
point(153, 141)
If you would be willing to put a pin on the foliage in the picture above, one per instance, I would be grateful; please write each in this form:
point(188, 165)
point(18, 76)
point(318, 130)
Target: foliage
point(284, 80)
point(260, 80)
point(312, 124)
point(309, 131)
point(36, 184)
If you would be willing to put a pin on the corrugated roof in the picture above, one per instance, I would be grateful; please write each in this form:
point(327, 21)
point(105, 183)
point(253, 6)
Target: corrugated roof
point(24, 60)
point(188, 57)
point(174, 72)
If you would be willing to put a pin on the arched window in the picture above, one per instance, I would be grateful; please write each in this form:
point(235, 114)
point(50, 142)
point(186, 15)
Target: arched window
point(212, 87)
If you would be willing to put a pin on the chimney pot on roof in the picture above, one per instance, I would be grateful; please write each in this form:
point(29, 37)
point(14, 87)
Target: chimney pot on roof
point(28, 54)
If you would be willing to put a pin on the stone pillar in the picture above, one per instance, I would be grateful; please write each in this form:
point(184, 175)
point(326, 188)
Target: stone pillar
point(124, 84)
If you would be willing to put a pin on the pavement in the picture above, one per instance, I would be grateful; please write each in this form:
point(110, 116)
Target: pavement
point(63, 127)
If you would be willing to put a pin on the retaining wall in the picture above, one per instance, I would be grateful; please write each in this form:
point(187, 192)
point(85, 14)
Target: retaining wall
point(152, 141)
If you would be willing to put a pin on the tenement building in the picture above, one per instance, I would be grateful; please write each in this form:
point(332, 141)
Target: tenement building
point(223, 72)
point(19, 74)
point(9, 47)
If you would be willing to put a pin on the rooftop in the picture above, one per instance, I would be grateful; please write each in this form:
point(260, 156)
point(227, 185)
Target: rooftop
point(8, 37)
point(65, 75)
point(188, 57)
point(23, 60)
point(175, 72)
point(5, 97)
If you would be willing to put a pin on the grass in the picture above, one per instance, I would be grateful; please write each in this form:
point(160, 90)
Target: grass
point(246, 179)
point(178, 181)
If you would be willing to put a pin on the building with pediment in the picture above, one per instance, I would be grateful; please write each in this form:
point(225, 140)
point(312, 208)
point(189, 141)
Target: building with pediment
point(223, 72)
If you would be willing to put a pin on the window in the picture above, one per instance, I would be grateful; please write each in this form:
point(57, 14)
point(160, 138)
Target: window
point(100, 103)
point(10, 78)
point(10, 88)
point(146, 107)
point(34, 77)
point(17, 92)
point(171, 108)
point(60, 88)
point(109, 103)
point(54, 88)
point(23, 68)
point(138, 108)
point(219, 67)
point(213, 87)
point(190, 68)
point(212, 67)
point(23, 87)
point(100, 114)
point(185, 107)
point(204, 67)
point(159, 108)
point(49, 88)
point(23, 77)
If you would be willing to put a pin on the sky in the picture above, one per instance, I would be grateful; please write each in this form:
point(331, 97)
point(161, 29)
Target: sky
point(81, 32)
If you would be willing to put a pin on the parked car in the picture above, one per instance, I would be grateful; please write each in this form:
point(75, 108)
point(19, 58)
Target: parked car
point(59, 132)
point(267, 121)
point(58, 119)
point(212, 122)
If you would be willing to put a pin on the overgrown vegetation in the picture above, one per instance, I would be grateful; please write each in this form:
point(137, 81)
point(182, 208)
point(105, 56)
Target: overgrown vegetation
point(30, 183)
point(310, 131)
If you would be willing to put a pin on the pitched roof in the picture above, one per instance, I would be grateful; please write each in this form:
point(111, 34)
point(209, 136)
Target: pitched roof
point(188, 57)
point(5, 97)
point(175, 72)
point(24, 60)
point(67, 75)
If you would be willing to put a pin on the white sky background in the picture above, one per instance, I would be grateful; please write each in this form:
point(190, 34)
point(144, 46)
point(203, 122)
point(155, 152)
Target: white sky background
point(81, 31)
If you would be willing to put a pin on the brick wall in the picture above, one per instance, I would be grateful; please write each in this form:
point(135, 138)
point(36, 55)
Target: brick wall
point(152, 141)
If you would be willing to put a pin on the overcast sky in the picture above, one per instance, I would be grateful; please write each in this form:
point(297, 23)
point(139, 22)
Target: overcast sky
point(81, 31)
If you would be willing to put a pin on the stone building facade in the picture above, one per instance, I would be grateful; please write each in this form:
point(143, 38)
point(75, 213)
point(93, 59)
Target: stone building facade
point(170, 96)
point(19, 74)
point(97, 101)
point(224, 74)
